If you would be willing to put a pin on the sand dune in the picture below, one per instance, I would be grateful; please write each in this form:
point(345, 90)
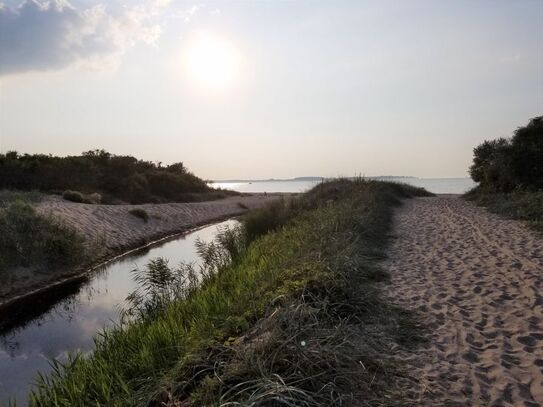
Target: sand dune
point(111, 229)
point(475, 279)
point(115, 228)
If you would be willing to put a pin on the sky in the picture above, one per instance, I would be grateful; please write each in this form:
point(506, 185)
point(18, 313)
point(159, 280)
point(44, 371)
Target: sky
point(259, 89)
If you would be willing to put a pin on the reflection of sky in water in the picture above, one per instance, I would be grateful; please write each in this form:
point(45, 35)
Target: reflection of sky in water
point(72, 323)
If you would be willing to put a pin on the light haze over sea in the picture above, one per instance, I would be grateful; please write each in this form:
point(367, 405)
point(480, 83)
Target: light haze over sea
point(435, 185)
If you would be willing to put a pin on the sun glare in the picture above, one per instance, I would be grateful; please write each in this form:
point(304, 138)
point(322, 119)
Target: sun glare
point(212, 62)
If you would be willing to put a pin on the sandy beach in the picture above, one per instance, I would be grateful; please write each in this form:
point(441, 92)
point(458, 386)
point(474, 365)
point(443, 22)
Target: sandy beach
point(114, 230)
point(475, 280)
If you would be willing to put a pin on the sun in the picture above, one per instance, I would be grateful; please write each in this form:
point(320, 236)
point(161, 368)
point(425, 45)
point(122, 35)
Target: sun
point(212, 62)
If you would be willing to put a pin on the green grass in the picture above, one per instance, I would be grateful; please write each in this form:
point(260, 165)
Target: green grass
point(520, 205)
point(31, 239)
point(288, 313)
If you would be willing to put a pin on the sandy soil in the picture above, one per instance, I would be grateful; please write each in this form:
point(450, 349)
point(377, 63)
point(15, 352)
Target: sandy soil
point(475, 279)
point(112, 229)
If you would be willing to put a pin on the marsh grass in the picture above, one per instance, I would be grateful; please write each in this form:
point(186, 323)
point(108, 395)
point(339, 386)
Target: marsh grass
point(281, 312)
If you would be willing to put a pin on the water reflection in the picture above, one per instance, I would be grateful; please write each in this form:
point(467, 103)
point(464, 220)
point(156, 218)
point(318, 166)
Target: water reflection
point(66, 321)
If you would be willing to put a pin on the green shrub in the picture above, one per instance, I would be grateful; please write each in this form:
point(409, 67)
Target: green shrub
point(503, 165)
point(139, 213)
point(73, 196)
point(31, 239)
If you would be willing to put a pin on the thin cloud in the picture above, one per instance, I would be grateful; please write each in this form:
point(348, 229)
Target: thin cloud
point(39, 36)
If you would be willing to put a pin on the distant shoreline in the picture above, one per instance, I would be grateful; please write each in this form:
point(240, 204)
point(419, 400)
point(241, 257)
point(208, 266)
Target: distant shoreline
point(302, 179)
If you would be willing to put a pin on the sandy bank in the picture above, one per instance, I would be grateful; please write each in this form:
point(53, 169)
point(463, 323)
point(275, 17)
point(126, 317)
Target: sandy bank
point(476, 280)
point(114, 230)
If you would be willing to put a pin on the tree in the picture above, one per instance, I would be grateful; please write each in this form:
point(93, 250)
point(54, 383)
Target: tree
point(502, 165)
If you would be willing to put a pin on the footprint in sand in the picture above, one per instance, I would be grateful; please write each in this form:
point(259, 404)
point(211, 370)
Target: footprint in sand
point(475, 279)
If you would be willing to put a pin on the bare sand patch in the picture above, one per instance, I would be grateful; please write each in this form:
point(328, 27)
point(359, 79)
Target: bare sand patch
point(475, 279)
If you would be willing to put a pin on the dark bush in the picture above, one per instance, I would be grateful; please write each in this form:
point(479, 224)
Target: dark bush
point(73, 196)
point(504, 165)
point(140, 213)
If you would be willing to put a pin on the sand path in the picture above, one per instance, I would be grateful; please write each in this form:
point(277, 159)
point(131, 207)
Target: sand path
point(475, 279)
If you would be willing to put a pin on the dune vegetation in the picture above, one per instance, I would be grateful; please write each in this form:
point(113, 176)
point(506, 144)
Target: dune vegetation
point(29, 239)
point(100, 176)
point(510, 174)
point(283, 310)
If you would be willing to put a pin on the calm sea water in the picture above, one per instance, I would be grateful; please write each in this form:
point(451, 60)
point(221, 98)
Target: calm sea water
point(69, 324)
point(435, 185)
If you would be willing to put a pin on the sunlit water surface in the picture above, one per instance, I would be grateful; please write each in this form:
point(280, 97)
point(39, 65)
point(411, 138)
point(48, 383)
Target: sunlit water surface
point(435, 185)
point(71, 324)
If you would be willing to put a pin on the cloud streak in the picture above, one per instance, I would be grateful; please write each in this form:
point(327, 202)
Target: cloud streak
point(39, 36)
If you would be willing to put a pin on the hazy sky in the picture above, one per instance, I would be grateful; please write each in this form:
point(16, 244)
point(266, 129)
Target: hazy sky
point(271, 88)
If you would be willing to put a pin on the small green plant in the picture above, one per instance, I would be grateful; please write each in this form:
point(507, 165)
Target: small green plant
point(139, 213)
point(73, 196)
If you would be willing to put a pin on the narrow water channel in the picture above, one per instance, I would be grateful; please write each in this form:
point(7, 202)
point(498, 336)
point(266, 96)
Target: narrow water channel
point(75, 316)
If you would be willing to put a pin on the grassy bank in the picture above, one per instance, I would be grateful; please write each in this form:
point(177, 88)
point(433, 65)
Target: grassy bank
point(520, 205)
point(288, 313)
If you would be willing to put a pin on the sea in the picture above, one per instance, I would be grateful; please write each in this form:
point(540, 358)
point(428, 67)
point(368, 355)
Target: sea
point(434, 185)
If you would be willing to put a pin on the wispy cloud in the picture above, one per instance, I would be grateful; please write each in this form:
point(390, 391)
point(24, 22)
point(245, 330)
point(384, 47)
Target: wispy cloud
point(54, 34)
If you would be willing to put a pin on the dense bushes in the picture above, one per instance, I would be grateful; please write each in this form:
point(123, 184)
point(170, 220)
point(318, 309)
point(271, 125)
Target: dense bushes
point(503, 165)
point(31, 239)
point(510, 174)
point(115, 177)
